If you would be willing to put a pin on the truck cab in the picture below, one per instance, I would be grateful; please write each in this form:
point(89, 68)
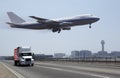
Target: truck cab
point(26, 58)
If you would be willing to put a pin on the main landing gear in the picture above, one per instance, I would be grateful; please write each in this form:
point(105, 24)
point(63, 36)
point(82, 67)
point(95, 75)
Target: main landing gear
point(56, 30)
point(59, 30)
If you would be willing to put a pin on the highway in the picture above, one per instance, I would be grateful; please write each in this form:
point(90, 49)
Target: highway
point(65, 70)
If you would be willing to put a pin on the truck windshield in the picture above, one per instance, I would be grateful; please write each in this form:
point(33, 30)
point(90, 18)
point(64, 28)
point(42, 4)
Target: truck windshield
point(25, 54)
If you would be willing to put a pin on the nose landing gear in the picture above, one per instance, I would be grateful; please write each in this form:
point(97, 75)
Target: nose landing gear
point(90, 26)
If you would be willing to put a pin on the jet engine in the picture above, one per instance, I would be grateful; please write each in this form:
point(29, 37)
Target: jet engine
point(66, 28)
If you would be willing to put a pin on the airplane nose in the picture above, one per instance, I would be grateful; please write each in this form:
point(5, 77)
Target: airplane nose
point(97, 19)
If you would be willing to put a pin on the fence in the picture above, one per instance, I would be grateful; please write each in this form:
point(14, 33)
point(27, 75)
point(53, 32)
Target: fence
point(88, 59)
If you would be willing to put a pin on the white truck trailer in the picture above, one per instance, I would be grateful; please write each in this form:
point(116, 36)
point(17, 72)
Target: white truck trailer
point(23, 56)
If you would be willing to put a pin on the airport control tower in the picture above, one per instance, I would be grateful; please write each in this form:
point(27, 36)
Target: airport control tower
point(103, 43)
point(102, 53)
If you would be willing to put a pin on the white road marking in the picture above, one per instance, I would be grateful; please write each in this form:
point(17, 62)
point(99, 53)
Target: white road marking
point(14, 72)
point(72, 71)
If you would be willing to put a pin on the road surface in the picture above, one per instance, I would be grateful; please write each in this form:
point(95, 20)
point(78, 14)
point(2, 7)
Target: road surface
point(65, 70)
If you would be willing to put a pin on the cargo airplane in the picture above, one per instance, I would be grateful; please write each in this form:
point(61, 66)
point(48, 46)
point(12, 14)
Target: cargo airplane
point(56, 25)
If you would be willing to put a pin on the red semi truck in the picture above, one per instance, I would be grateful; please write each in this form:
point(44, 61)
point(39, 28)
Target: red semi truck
point(23, 56)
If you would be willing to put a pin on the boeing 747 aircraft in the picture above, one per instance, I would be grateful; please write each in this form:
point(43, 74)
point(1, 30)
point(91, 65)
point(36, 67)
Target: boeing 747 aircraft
point(56, 25)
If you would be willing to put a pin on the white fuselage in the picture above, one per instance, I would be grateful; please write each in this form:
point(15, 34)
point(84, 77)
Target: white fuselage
point(72, 21)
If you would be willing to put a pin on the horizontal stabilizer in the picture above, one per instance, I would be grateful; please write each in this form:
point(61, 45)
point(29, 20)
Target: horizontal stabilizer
point(11, 24)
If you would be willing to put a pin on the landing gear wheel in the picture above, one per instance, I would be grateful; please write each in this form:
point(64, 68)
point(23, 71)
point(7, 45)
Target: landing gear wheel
point(59, 30)
point(90, 26)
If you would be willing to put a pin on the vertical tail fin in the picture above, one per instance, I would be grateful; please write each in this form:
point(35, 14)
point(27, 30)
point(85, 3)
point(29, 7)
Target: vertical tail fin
point(14, 18)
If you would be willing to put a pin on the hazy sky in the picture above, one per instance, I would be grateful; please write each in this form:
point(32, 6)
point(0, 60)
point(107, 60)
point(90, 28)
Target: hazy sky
point(78, 38)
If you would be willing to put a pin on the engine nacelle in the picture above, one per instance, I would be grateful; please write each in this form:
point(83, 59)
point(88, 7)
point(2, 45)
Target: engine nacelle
point(66, 28)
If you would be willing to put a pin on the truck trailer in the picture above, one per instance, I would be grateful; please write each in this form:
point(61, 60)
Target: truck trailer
point(23, 56)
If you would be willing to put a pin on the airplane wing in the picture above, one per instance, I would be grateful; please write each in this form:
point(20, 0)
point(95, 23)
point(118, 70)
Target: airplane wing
point(38, 18)
point(43, 20)
point(51, 22)
point(65, 23)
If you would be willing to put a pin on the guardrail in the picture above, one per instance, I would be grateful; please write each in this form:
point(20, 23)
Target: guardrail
point(90, 59)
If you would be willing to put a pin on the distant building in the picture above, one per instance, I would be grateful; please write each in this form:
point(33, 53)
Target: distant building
point(95, 55)
point(102, 54)
point(85, 54)
point(59, 55)
point(75, 54)
point(115, 54)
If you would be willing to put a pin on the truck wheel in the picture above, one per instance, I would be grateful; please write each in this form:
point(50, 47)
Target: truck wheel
point(32, 64)
point(15, 63)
